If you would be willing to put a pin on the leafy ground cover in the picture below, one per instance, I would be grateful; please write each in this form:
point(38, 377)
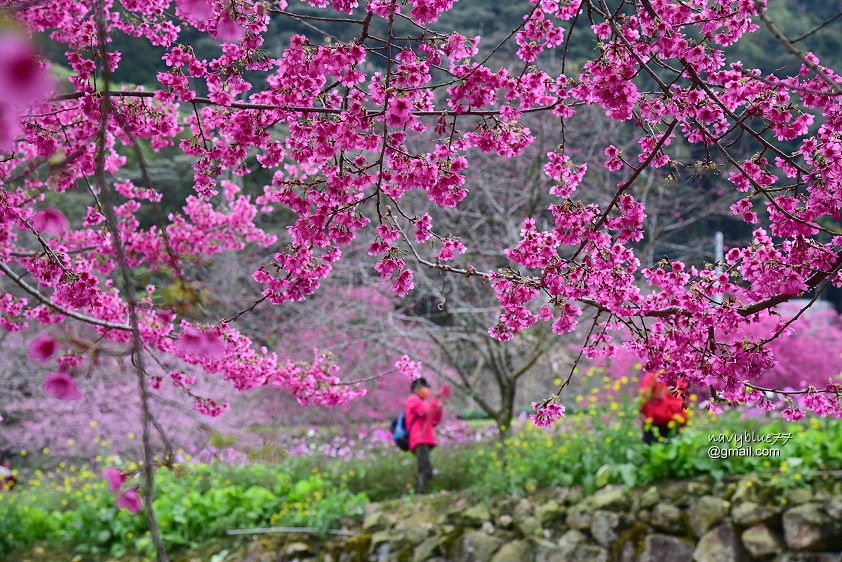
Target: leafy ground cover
point(195, 503)
point(202, 496)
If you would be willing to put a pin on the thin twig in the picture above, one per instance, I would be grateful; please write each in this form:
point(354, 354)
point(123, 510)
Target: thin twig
point(265, 530)
point(296, 109)
point(244, 311)
point(815, 29)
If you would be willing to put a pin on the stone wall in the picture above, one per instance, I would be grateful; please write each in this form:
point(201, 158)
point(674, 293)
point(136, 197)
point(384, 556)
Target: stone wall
point(741, 520)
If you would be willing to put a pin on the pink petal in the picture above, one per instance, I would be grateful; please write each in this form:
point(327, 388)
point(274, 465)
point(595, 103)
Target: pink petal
point(201, 344)
point(61, 386)
point(198, 10)
point(22, 76)
point(42, 347)
point(9, 128)
point(130, 499)
point(228, 30)
point(115, 478)
point(51, 221)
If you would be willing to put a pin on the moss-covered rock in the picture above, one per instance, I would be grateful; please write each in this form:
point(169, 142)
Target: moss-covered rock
point(706, 512)
point(811, 527)
point(476, 515)
point(549, 512)
point(522, 510)
point(675, 493)
point(515, 551)
point(428, 548)
point(665, 548)
point(610, 498)
point(751, 488)
point(720, 544)
point(760, 541)
point(589, 553)
point(798, 496)
point(649, 498)
point(666, 517)
point(749, 513)
point(579, 517)
point(477, 545)
point(529, 526)
point(605, 526)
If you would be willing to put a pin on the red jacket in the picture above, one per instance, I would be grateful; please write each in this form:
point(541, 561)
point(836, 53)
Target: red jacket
point(659, 403)
point(421, 419)
point(7, 478)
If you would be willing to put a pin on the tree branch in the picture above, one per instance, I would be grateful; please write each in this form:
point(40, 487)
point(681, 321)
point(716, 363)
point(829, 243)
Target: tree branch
point(17, 280)
point(792, 49)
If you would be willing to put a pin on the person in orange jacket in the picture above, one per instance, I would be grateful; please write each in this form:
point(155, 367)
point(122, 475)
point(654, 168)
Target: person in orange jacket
point(422, 417)
point(663, 411)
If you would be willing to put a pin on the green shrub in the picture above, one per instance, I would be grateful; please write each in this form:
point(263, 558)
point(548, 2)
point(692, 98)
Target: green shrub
point(594, 450)
point(193, 504)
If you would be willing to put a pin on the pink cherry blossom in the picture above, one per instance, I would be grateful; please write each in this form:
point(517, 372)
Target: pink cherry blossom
point(115, 479)
point(422, 228)
point(546, 415)
point(403, 283)
point(228, 30)
point(130, 500)
point(61, 385)
point(23, 80)
point(399, 112)
point(196, 10)
point(792, 414)
point(201, 344)
point(407, 367)
point(50, 221)
point(22, 74)
point(42, 347)
point(358, 156)
point(451, 248)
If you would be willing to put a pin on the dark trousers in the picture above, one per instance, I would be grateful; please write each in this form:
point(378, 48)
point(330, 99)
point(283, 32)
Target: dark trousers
point(658, 433)
point(425, 467)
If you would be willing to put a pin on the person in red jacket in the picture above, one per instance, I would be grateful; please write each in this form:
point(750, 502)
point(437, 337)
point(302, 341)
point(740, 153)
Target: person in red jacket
point(7, 477)
point(663, 411)
point(421, 417)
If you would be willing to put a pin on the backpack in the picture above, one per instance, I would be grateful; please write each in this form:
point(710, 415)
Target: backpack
point(400, 433)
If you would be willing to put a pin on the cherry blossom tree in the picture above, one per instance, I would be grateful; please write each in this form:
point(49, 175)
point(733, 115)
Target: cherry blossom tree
point(450, 315)
point(352, 131)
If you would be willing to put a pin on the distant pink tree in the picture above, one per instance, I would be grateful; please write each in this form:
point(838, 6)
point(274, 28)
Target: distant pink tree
point(353, 323)
point(808, 353)
point(101, 418)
